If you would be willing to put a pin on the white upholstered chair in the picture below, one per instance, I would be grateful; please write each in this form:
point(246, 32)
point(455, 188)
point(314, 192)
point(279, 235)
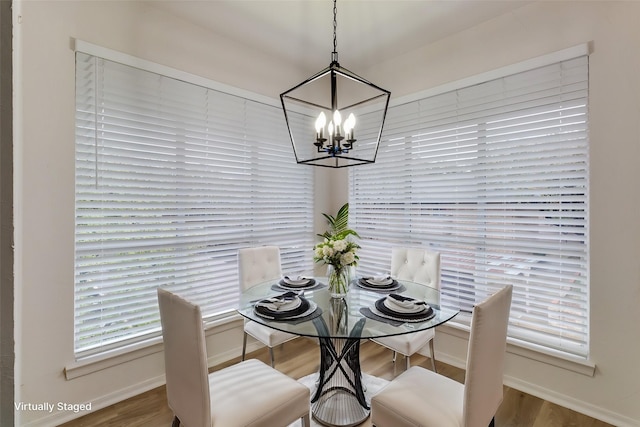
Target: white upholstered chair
point(257, 265)
point(419, 397)
point(245, 394)
point(420, 266)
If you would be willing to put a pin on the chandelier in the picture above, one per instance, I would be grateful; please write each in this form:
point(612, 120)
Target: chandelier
point(330, 130)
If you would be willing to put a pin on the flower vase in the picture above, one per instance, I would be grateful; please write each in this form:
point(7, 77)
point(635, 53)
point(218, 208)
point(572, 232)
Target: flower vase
point(338, 281)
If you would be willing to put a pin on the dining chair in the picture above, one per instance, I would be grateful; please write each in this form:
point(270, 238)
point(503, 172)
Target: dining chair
point(257, 265)
point(422, 397)
point(420, 266)
point(249, 393)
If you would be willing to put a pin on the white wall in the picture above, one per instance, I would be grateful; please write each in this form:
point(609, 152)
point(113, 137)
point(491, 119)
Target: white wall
point(45, 180)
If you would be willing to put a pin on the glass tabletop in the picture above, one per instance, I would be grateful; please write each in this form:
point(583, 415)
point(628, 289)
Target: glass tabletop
point(350, 317)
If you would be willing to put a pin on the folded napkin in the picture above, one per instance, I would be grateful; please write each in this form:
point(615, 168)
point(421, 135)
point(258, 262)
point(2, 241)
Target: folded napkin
point(379, 280)
point(287, 301)
point(404, 304)
point(298, 280)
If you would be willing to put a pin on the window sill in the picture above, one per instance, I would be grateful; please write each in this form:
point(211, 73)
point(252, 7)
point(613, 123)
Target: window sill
point(106, 360)
point(530, 351)
point(109, 359)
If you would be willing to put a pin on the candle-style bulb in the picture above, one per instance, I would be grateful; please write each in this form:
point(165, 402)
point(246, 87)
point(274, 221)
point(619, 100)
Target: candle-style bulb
point(337, 118)
point(349, 125)
point(321, 121)
point(352, 120)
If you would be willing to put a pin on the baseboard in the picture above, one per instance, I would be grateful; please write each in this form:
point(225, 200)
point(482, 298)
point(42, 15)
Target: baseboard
point(569, 402)
point(450, 360)
point(563, 400)
point(114, 397)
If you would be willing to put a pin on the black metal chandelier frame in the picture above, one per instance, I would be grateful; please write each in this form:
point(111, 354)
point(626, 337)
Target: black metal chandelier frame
point(338, 146)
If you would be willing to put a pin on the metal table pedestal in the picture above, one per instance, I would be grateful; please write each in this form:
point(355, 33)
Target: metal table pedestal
point(339, 396)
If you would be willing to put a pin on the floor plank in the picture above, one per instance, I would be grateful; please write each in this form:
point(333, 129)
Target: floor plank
point(300, 357)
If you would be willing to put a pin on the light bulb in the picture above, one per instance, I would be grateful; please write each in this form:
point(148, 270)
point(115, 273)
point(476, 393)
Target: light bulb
point(352, 120)
point(337, 118)
point(350, 123)
point(321, 121)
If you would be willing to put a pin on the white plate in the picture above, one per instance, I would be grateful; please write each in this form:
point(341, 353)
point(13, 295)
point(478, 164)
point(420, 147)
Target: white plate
point(401, 319)
point(312, 307)
point(296, 282)
point(378, 283)
point(290, 305)
point(377, 288)
point(398, 309)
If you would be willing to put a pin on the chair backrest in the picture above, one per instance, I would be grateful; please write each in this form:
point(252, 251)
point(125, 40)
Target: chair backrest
point(185, 359)
point(485, 358)
point(416, 265)
point(257, 265)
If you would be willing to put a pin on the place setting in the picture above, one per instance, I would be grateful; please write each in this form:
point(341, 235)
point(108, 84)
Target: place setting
point(397, 309)
point(381, 283)
point(296, 283)
point(288, 306)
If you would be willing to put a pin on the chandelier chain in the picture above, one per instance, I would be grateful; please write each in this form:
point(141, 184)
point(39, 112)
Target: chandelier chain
point(335, 28)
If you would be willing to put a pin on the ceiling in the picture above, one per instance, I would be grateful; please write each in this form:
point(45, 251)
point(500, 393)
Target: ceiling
point(300, 32)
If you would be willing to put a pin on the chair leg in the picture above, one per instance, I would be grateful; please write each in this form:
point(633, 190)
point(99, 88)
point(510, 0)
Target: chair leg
point(433, 356)
point(306, 421)
point(244, 345)
point(176, 422)
point(407, 361)
point(271, 356)
point(393, 360)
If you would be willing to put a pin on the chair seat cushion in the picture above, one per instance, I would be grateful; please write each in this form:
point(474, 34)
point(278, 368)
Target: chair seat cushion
point(266, 335)
point(418, 397)
point(245, 395)
point(407, 344)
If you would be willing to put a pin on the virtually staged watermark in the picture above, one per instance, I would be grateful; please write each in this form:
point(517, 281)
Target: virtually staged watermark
point(50, 407)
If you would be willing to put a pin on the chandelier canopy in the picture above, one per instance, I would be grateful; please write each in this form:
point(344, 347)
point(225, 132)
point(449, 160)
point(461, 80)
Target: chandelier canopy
point(330, 130)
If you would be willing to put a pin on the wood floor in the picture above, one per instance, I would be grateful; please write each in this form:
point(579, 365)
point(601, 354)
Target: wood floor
point(300, 357)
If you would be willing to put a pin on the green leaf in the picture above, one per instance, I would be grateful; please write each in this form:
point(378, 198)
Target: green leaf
point(338, 225)
point(341, 220)
point(344, 233)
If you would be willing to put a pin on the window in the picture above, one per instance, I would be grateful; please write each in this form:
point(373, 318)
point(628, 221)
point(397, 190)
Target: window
point(494, 176)
point(172, 178)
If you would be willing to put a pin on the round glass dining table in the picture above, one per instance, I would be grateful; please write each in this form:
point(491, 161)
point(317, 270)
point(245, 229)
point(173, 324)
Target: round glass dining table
point(339, 324)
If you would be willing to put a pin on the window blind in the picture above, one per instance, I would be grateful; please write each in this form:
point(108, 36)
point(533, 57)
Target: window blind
point(172, 178)
point(495, 177)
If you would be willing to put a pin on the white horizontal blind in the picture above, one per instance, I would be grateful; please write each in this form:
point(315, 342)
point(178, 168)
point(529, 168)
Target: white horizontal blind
point(495, 177)
point(172, 179)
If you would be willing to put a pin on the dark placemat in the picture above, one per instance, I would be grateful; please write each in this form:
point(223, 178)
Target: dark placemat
point(416, 317)
point(366, 312)
point(269, 314)
point(310, 282)
point(318, 285)
point(397, 290)
point(316, 313)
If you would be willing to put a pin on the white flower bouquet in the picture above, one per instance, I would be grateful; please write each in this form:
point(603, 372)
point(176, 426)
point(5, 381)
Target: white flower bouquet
point(337, 252)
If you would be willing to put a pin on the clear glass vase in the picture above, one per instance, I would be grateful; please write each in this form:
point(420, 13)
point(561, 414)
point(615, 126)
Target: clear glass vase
point(338, 281)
